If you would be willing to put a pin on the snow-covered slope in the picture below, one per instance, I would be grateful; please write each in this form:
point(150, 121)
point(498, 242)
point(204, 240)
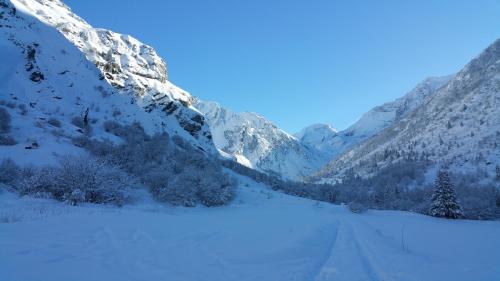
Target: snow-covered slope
point(56, 66)
point(458, 125)
point(263, 235)
point(327, 140)
point(318, 136)
point(258, 143)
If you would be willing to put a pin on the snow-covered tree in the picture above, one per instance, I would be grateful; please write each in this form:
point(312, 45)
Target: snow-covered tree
point(444, 203)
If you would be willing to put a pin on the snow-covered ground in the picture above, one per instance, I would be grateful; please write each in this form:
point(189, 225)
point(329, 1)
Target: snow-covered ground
point(262, 235)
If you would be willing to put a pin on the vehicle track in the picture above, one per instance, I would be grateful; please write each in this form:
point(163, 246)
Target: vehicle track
point(348, 259)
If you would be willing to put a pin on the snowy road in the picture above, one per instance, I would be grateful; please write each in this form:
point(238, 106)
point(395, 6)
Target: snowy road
point(262, 236)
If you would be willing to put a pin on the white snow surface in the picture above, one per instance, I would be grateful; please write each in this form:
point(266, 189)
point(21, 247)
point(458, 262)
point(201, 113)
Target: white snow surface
point(262, 235)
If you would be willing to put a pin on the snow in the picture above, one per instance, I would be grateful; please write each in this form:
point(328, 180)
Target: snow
point(76, 58)
point(452, 122)
point(258, 143)
point(262, 235)
point(333, 143)
point(318, 136)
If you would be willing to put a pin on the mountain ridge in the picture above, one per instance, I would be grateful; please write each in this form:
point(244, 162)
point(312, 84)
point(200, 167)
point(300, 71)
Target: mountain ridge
point(457, 127)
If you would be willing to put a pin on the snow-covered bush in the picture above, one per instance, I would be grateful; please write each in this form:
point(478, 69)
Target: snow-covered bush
point(497, 173)
point(9, 171)
point(40, 182)
point(357, 207)
point(9, 217)
point(7, 140)
point(54, 122)
point(174, 170)
point(215, 190)
point(115, 128)
point(186, 177)
point(23, 109)
point(132, 133)
point(78, 122)
point(478, 202)
point(178, 190)
point(5, 120)
point(79, 179)
point(116, 112)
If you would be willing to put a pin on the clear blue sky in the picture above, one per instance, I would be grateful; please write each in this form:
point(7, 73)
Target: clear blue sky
point(303, 62)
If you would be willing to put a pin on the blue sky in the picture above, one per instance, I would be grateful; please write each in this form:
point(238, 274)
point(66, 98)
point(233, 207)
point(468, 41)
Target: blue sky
point(303, 62)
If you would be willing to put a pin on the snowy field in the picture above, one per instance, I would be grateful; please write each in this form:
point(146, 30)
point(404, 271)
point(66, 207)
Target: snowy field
point(262, 235)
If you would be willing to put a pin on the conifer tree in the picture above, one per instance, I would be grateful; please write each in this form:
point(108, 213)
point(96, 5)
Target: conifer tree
point(444, 203)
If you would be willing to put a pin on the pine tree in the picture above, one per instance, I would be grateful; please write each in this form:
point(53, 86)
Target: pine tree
point(444, 203)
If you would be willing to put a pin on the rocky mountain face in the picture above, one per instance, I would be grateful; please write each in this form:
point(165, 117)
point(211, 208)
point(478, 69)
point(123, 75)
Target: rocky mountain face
point(58, 72)
point(132, 68)
point(256, 142)
point(457, 126)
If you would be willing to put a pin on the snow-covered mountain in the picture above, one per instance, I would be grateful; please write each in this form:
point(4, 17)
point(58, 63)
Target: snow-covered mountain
point(318, 136)
point(258, 143)
point(457, 126)
point(55, 69)
point(330, 142)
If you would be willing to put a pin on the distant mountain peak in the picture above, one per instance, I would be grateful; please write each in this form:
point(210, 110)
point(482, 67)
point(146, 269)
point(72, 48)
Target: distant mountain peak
point(318, 127)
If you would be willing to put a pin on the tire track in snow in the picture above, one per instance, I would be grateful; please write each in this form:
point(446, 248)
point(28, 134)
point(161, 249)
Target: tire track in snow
point(369, 265)
point(328, 254)
point(348, 259)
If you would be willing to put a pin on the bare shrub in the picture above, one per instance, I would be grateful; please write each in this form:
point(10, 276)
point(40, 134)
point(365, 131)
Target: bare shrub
point(78, 122)
point(54, 122)
point(78, 180)
point(9, 171)
point(9, 218)
point(357, 208)
point(5, 120)
point(175, 171)
point(7, 140)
